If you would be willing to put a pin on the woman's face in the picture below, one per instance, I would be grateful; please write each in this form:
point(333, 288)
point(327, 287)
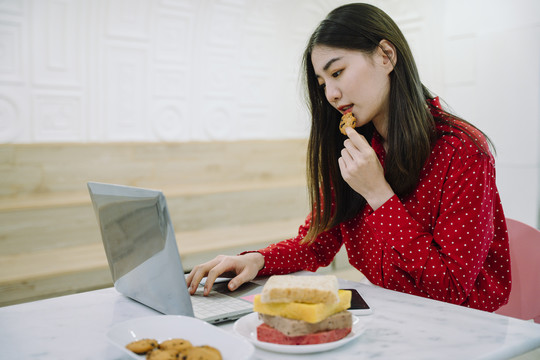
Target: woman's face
point(355, 81)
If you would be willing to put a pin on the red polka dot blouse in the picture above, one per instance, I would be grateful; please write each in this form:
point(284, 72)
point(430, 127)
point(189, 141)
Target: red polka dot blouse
point(446, 241)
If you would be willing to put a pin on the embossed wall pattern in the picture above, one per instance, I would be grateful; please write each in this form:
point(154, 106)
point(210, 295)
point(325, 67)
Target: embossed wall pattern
point(162, 70)
point(153, 70)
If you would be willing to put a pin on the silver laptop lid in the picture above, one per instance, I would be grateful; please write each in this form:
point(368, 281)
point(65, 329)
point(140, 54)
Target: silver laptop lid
point(140, 244)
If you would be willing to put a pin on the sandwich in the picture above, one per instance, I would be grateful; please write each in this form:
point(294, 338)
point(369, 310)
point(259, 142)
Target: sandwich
point(303, 310)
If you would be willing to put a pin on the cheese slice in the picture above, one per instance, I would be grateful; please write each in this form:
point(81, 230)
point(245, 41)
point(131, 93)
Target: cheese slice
point(311, 313)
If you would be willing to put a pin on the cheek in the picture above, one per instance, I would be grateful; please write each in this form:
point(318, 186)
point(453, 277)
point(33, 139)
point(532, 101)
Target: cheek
point(363, 85)
point(377, 89)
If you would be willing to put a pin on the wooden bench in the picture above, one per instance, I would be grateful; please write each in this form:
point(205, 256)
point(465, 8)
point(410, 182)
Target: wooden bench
point(224, 197)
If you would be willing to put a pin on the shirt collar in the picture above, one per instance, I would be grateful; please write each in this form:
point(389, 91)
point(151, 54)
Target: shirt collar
point(435, 102)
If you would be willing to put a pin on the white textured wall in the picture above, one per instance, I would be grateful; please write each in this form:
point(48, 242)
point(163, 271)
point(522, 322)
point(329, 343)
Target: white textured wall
point(492, 77)
point(151, 70)
point(192, 70)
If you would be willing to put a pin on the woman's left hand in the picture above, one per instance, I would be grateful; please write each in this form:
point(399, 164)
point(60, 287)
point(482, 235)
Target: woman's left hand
point(362, 170)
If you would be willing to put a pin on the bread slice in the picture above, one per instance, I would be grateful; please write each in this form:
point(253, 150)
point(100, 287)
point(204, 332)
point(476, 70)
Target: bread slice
point(304, 289)
point(311, 313)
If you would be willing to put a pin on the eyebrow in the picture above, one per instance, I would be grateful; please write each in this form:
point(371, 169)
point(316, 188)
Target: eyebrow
point(330, 62)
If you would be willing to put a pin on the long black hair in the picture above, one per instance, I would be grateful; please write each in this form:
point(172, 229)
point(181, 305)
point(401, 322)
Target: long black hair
point(411, 126)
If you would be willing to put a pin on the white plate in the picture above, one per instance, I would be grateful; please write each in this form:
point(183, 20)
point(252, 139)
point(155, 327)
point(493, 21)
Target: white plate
point(247, 328)
point(163, 327)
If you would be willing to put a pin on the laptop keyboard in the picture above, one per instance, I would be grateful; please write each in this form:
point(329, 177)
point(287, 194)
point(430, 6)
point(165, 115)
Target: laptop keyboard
point(216, 304)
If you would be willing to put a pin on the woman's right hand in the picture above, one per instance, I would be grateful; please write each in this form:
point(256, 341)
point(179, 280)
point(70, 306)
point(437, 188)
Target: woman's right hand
point(362, 170)
point(245, 267)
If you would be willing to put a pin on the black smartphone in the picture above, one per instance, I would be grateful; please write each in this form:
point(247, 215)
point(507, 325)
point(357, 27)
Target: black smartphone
point(358, 305)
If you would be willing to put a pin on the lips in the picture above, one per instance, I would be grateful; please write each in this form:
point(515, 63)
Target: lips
point(346, 108)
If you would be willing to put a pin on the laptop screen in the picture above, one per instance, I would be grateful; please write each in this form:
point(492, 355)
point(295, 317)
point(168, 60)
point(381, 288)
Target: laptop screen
point(132, 232)
point(140, 245)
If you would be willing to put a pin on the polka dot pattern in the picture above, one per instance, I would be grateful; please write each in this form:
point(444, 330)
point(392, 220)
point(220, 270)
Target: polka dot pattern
point(447, 240)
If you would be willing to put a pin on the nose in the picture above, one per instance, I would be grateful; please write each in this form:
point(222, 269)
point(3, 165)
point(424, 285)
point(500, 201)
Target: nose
point(332, 93)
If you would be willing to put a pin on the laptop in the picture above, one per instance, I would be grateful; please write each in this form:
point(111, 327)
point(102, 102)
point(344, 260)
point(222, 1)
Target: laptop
point(144, 261)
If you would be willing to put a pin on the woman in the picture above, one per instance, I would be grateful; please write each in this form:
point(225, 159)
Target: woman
point(410, 192)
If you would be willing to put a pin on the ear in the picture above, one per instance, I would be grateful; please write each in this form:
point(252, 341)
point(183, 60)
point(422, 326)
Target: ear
point(388, 54)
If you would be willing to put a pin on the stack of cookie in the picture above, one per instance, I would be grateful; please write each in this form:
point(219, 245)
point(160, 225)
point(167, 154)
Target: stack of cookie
point(173, 349)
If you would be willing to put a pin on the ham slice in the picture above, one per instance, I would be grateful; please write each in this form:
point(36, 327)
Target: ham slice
point(268, 334)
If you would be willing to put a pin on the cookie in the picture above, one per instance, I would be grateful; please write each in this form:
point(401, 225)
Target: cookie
point(158, 354)
point(142, 346)
point(200, 353)
point(213, 349)
point(347, 120)
point(175, 345)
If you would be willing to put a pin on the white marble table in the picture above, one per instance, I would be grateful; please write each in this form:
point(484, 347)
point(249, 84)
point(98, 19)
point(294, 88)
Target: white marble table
point(401, 327)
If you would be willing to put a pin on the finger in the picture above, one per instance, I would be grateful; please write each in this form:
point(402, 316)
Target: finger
point(189, 278)
point(191, 275)
point(342, 166)
point(345, 170)
point(235, 283)
point(347, 156)
point(193, 284)
point(196, 276)
point(223, 266)
point(358, 139)
point(244, 276)
point(198, 273)
point(351, 148)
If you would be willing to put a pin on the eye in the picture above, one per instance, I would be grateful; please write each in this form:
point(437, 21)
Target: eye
point(337, 73)
point(322, 86)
